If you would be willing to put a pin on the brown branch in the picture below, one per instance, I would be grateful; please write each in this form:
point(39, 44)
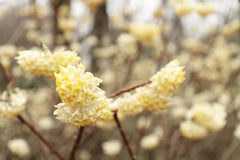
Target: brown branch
point(128, 89)
point(228, 153)
point(76, 143)
point(40, 136)
point(124, 137)
point(8, 77)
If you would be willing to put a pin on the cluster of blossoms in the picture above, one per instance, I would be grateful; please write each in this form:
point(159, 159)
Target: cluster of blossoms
point(183, 8)
point(154, 96)
point(12, 102)
point(202, 119)
point(44, 63)
point(83, 102)
point(146, 33)
point(7, 52)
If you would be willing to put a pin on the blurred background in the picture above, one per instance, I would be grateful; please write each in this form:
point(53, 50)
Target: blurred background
point(125, 42)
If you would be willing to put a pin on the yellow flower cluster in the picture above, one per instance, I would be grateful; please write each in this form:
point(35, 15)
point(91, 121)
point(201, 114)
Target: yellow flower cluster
point(127, 45)
point(6, 53)
point(146, 33)
point(231, 28)
point(193, 130)
point(12, 103)
point(157, 94)
point(83, 101)
point(44, 63)
point(183, 8)
point(205, 118)
point(204, 8)
point(153, 97)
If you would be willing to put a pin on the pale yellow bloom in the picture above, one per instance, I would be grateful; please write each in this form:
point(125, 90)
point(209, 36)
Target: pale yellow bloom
point(12, 103)
point(231, 28)
point(156, 95)
point(44, 63)
point(146, 33)
point(19, 147)
point(83, 100)
point(212, 117)
point(6, 53)
point(236, 132)
point(127, 45)
point(192, 130)
point(182, 8)
point(112, 147)
point(204, 8)
point(150, 141)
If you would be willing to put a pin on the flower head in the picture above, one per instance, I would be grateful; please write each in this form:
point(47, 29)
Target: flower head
point(12, 103)
point(44, 63)
point(145, 32)
point(156, 95)
point(193, 130)
point(83, 100)
point(19, 147)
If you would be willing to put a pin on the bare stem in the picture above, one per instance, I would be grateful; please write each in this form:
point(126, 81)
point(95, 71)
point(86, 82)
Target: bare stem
point(8, 77)
point(40, 136)
point(76, 143)
point(128, 89)
point(124, 137)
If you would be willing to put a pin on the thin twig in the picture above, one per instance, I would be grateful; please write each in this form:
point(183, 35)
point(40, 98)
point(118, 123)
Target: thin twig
point(8, 77)
point(128, 89)
point(124, 137)
point(40, 136)
point(76, 143)
point(227, 154)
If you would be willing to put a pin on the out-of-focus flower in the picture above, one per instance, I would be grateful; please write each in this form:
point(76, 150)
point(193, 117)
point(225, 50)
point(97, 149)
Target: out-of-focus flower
point(213, 117)
point(146, 33)
point(12, 103)
point(204, 8)
point(112, 147)
point(67, 24)
point(194, 45)
point(44, 63)
point(83, 100)
point(127, 45)
point(144, 123)
point(19, 147)
point(236, 132)
point(150, 141)
point(192, 130)
point(6, 53)
point(231, 28)
point(85, 155)
point(45, 123)
point(159, 13)
point(182, 8)
point(76, 47)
